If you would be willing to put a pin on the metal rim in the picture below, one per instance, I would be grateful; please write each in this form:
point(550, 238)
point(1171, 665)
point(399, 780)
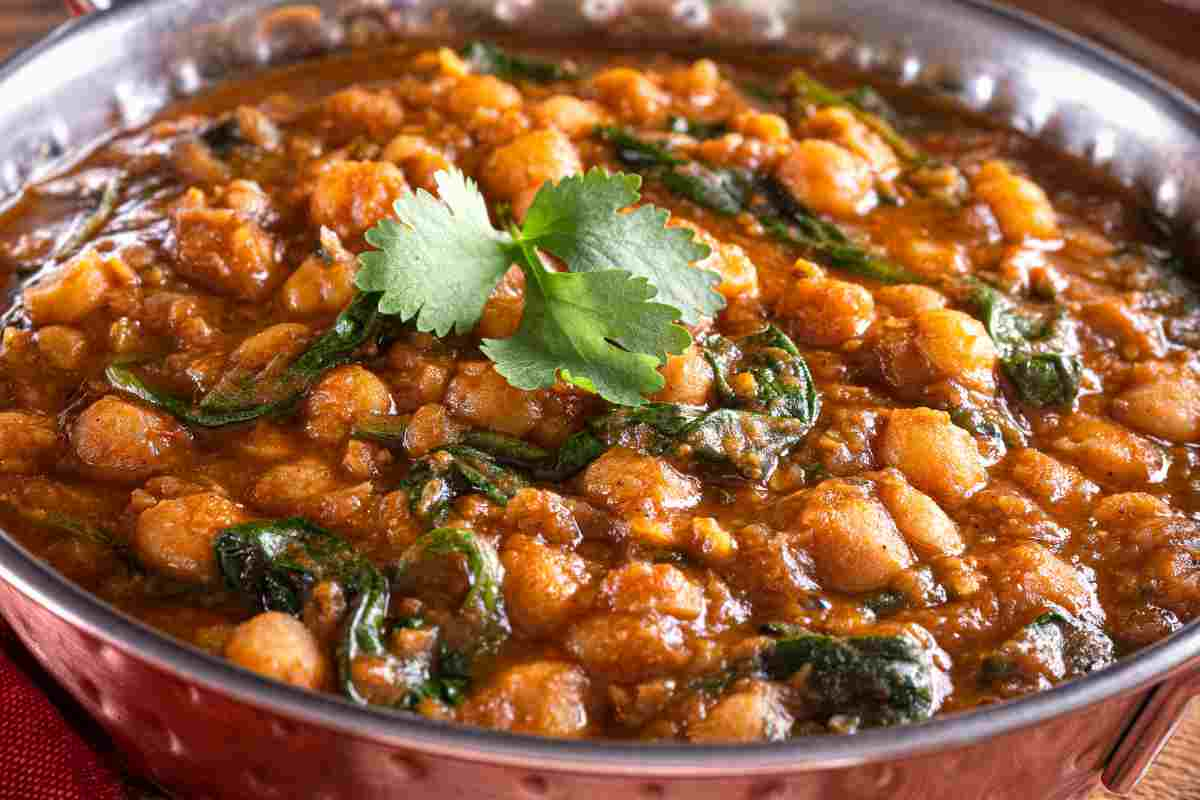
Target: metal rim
point(37, 581)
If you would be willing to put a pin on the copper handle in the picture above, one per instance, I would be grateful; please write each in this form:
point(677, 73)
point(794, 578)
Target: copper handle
point(1148, 733)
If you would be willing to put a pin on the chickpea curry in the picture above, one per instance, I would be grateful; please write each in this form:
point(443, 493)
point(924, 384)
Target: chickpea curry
point(606, 397)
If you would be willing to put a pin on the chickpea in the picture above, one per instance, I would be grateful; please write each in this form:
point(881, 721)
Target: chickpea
point(516, 171)
point(481, 396)
point(361, 111)
point(958, 347)
point(351, 196)
point(829, 179)
point(341, 398)
point(175, 537)
point(541, 585)
point(630, 94)
point(319, 287)
point(632, 484)
point(475, 92)
point(1029, 576)
point(118, 441)
point(1138, 334)
point(279, 647)
point(1058, 486)
point(628, 647)
point(574, 117)
point(1020, 205)
point(689, 379)
point(855, 543)
point(501, 316)
point(545, 698)
point(1166, 407)
point(287, 488)
point(756, 124)
point(641, 588)
point(935, 455)
point(699, 82)
point(739, 276)
point(221, 251)
point(928, 529)
point(1111, 455)
point(63, 348)
point(910, 299)
point(755, 714)
point(28, 442)
point(74, 292)
point(841, 126)
point(827, 313)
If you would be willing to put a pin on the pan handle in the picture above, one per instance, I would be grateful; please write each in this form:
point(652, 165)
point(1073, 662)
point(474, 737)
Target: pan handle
point(1149, 732)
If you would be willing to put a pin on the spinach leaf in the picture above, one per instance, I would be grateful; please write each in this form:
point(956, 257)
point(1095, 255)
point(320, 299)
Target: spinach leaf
point(439, 478)
point(731, 191)
point(488, 59)
point(1054, 647)
point(866, 104)
point(90, 225)
point(770, 364)
point(881, 680)
point(483, 606)
point(276, 564)
point(245, 395)
point(696, 129)
point(1042, 375)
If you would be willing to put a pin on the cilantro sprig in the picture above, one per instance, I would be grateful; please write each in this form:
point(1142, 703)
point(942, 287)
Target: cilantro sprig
point(606, 325)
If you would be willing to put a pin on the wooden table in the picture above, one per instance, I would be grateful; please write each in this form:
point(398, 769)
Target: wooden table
point(1152, 30)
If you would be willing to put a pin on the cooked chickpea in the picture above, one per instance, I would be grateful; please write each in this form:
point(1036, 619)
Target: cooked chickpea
point(319, 287)
point(926, 527)
point(351, 196)
point(958, 347)
point(1111, 455)
point(279, 647)
point(689, 379)
point(175, 537)
point(842, 126)
point(28, 442)
point(756, 714)
point(475, 92)
point(829, 179)
point(632, 484)
point(574, 117)
point(641, 588)
point(1020, 205)
point(855, 543)
point(63, 348)
point(936, 456)
point(826, 313)
point(481, 396)
point(221, 251)
point(545, 698)
point(910, 299)
point(341, 398)
point(541, 585)
point(516, 171)
point(286, 488)
point(630, 94)
point(1167, 407)
point(115, 440)
point(628, 647)
point(76, 291)
point(362, 111)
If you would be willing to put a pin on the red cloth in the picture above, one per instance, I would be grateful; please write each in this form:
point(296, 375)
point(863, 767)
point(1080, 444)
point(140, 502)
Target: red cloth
point(41, 756)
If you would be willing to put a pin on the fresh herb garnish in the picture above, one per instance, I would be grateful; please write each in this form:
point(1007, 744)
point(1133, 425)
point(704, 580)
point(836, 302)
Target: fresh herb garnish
point(488, 59)
point(595, 326)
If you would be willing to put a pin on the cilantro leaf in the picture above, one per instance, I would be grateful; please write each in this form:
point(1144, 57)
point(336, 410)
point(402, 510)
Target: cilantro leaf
point(579, 220)
point(439, 260)
point(597, 330)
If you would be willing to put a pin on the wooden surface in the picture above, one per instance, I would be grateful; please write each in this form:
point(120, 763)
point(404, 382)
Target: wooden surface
point(1156, 33)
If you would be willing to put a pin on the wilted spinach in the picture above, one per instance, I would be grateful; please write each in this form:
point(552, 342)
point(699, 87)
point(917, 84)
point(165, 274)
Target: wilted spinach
point(880, 680)
point(487, 58)
point(436, 480)
point(1054, 647)
point(245, 395)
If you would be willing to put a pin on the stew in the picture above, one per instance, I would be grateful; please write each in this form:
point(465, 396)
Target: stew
point(594, 395)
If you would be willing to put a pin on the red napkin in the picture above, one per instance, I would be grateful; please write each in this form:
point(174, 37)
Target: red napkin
point(41, 756)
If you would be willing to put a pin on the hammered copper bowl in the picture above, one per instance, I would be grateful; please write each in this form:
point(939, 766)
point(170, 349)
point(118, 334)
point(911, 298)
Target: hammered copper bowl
point(204, 729)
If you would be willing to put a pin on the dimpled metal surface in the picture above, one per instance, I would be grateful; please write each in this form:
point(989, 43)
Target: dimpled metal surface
point(204, 729)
